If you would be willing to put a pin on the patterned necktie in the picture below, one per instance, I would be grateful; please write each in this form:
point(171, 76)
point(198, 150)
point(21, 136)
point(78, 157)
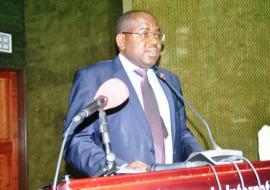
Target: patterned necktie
point(158, 129)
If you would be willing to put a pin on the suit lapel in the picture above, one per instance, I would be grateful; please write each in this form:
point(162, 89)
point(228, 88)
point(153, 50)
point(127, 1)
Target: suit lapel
point(134, 101)
point(169, 96)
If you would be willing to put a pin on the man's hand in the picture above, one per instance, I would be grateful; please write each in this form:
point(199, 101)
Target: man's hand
point(137, 165)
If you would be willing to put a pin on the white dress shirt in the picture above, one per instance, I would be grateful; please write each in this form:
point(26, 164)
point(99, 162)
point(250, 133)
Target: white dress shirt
point(160, 96)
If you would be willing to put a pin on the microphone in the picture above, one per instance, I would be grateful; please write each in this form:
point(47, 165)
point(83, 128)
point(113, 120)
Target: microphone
point(98, 104)
point(216, 156)
point(179, 165)
point(110, 94)
point(116, 91)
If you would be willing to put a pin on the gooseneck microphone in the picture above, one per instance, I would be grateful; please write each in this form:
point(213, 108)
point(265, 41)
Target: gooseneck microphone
point(217, 155)
point(98, 104)
point(179, 165)
point(161, 76)
point(110, 94)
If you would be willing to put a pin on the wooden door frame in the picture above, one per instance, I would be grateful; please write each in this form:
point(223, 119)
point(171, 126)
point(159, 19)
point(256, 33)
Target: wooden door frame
point(22, 125)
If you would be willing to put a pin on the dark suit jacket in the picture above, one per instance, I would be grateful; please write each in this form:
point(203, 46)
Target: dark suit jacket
point(129, 131)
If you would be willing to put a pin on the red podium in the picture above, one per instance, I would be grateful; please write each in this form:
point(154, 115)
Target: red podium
point(190, 178)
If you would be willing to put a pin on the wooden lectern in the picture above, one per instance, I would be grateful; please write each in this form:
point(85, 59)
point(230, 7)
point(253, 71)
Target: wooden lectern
point(178, 179)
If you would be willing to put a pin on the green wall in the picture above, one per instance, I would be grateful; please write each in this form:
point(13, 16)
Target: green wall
point(219, 49)
point(61, 36)
point(221, 52)
point(12, 22)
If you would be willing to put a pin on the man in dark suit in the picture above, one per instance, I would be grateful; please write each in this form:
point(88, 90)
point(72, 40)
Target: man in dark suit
point(139, 40)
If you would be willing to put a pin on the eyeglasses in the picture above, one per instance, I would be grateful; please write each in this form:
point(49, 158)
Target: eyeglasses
point(146, 34)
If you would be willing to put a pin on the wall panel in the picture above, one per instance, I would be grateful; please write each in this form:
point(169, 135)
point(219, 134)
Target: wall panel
point(220, 50)
point(62, 36)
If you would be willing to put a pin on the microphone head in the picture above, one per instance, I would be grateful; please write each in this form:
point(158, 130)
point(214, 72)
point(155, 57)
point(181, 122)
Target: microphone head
point(115, 90)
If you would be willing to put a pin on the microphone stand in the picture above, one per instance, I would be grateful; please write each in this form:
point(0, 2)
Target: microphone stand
point(178, 95)
point(72, 125)
point(110, 165)
point(98, 104)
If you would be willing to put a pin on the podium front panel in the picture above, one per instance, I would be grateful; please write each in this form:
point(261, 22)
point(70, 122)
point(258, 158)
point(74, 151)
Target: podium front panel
point(189, 178)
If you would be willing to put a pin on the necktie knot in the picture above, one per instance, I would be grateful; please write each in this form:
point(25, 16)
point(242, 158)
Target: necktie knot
point(141, 72)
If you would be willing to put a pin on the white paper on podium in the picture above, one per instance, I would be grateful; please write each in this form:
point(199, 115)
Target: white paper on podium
point(264, 143)
point(124, 170)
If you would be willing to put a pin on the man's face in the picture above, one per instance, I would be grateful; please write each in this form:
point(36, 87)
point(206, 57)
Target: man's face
point(141, 51)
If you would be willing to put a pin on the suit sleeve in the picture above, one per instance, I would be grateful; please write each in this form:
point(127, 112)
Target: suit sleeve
point(85, 149)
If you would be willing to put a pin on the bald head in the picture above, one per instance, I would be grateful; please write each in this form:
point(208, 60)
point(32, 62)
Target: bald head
point(124, 21)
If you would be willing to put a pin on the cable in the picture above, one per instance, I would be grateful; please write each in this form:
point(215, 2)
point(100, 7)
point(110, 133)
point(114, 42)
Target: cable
point(216, 176)
point(233, 158)
point(61, 154)
point(240, 175)
point(255, 172)
point(202, 163)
